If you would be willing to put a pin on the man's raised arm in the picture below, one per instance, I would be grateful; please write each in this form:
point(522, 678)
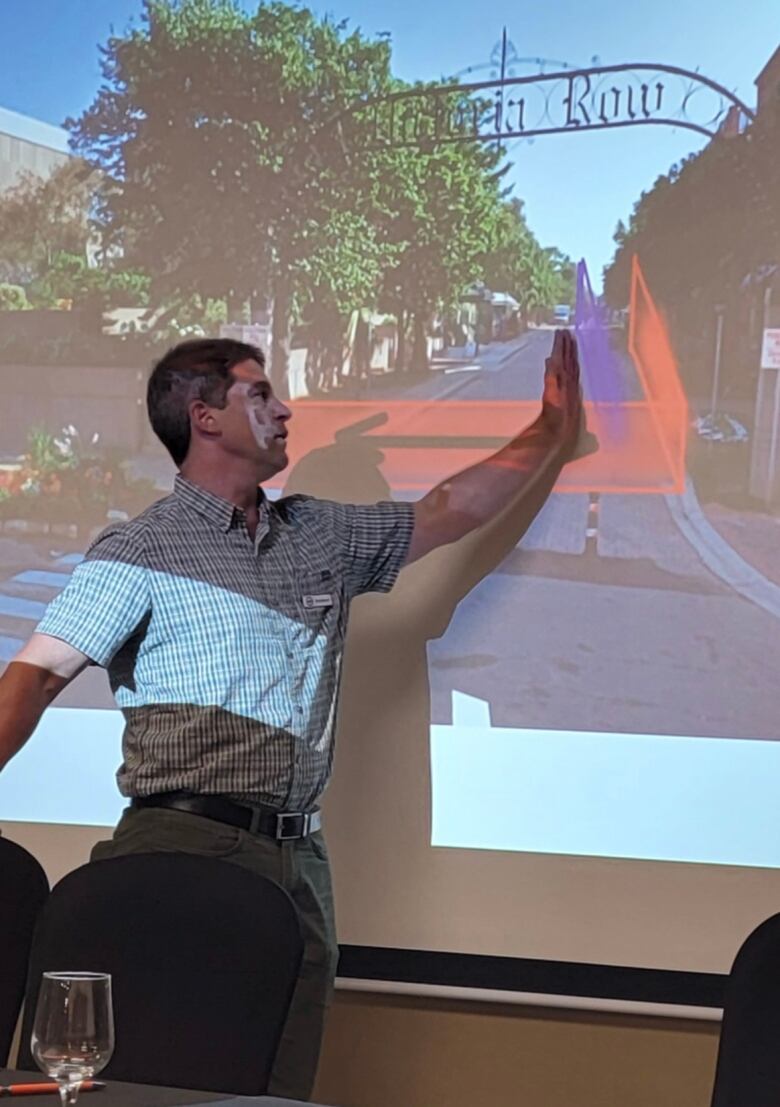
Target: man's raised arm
point(510, 477)
point(36, 675)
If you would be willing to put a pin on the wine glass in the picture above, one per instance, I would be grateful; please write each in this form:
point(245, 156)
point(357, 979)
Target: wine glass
point(73, 1031)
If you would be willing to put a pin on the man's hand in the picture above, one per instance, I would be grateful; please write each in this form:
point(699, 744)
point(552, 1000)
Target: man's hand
point(562, 411)
point(522, 474)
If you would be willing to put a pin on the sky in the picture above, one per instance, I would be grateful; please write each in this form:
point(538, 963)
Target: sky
point(575, 187)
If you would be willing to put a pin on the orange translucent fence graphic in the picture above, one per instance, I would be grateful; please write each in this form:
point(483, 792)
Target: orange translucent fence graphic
point(656, 365)
point(415, 446)
point(411, 445)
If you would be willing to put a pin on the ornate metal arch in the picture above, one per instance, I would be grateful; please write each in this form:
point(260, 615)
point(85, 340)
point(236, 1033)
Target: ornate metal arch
point(601, 97)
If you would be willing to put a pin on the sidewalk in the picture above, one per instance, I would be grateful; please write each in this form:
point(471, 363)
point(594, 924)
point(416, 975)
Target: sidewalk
point(735, 545)
point(448, 372)
point(489, 356)
point(455, 367)
point(754, 535)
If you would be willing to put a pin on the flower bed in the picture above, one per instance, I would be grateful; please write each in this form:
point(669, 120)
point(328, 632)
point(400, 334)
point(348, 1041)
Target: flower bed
point(63, 486)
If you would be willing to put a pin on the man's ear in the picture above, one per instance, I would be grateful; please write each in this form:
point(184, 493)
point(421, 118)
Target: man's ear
point(202, 418)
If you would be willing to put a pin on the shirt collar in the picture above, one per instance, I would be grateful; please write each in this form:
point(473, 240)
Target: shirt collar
point(222, 513)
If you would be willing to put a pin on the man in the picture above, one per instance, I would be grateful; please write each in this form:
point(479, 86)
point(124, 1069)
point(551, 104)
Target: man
point(220, 618)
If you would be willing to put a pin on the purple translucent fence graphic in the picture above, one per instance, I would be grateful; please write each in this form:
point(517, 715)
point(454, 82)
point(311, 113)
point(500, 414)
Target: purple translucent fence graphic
point(603, 370)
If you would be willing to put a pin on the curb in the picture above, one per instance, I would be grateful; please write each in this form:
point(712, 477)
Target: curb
point(718, 555)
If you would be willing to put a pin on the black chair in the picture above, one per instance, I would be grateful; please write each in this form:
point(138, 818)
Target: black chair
point(748, 1068)
point(204, 956)
point(25, 889)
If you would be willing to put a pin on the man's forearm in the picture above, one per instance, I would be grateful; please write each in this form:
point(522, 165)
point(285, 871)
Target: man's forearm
point(25, 693)
point(506, 479)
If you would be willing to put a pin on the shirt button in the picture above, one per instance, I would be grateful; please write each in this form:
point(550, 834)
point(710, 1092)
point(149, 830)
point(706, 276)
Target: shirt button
point(289, 655)
point(299, 709)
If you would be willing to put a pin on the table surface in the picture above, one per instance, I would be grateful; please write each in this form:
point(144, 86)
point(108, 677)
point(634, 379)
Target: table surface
point(120, 1094)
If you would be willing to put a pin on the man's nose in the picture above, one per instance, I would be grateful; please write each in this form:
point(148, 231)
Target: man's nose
point(283, 411)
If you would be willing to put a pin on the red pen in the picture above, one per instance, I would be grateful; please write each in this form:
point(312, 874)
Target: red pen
point(41, 1088)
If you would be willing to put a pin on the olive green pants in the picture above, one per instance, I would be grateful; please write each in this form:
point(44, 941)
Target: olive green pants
point(301, 868)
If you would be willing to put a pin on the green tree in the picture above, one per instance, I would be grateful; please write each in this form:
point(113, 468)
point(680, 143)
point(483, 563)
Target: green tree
point(43, 216)
point(70, 277)
point(437, 211)
point(236, 161)
point(564, 276)
point(507, 263)
point(699, 232)
point(537, 277)
point(216, 130)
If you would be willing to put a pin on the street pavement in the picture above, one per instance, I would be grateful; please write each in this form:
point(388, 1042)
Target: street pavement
point(510, 370)
point(634, 635)
point(627, 630)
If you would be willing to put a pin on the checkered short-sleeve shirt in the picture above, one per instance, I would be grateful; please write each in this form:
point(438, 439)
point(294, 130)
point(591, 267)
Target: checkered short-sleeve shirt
point(224, 654)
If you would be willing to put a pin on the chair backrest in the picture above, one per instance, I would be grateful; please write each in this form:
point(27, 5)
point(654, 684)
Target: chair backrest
point(748, 1068)
point(204, 956)
point(25, 889)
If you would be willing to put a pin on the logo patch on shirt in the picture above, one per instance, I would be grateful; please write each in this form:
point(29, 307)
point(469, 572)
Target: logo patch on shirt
point(321, 599)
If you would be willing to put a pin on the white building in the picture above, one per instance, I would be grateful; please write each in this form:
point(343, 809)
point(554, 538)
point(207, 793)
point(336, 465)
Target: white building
point(28, 145)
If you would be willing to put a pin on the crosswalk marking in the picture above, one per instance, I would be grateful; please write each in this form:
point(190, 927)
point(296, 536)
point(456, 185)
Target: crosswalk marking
point(9, 647)
point(38, 576)
point(20, 600)
point(19, 608)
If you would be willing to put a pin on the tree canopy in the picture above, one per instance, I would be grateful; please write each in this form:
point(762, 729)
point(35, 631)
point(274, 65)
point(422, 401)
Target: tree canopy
point(234, 164)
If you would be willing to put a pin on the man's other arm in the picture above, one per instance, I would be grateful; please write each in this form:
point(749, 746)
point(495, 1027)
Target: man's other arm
point(31, 681)
point(519, 476)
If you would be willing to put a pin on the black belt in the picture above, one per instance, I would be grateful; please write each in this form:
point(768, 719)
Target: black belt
point(282, 825)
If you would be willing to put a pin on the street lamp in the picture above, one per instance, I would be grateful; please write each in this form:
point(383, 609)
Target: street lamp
point(719, 314)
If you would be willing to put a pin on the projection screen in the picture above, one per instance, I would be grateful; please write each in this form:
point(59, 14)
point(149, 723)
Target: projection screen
point(560, 746)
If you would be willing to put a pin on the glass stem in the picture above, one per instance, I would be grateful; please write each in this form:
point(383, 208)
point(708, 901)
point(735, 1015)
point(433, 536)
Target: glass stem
point(69, 1092)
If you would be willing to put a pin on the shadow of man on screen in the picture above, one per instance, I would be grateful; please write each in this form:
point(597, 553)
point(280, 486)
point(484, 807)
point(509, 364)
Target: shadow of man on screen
point(382, 773)
point(349, 470)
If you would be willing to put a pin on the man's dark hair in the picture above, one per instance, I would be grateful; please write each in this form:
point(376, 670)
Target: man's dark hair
point(194, 370)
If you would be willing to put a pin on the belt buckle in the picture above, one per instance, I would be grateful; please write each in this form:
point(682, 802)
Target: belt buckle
point(281, 836)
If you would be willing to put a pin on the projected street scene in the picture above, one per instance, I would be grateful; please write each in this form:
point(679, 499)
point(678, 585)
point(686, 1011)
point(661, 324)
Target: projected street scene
point(636, 407)
point(403, 245)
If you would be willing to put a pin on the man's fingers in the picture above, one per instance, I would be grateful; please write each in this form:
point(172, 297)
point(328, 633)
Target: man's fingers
point(569, 348)
point(552, 375)
point(572, 362)
point(564, 348)
point(575, 354)
point(563, 363)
